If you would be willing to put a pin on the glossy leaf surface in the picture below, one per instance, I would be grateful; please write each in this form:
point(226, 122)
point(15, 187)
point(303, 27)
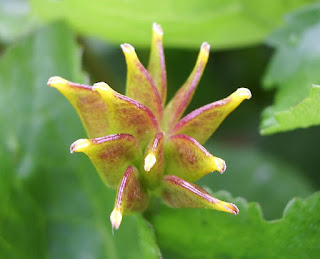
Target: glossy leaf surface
point(211, 234)
point(225, 24)
point(293, 71)
point(16, 19)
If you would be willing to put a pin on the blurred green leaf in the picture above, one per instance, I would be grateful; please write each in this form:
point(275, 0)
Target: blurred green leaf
point(225, 24)
point(53, 204)
point(22, 232)
point(15, 19)
point(302, 115)
point(190, 233)
point(293, 70)
point(256, 176)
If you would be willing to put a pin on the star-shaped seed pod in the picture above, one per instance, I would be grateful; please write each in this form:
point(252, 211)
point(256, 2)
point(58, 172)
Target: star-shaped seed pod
point(140, 145)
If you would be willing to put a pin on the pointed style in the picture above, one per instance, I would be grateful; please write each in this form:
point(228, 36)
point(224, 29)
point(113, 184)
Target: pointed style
point(131, 197)
point(140, 85)
point(178, 193)
point(202, 123)
point(157, 64)
point(139, 145)
point(189, 160)
point(154, 161)
point(176, 107)
point(110, 155)
point(127, 115)
point(90, 107)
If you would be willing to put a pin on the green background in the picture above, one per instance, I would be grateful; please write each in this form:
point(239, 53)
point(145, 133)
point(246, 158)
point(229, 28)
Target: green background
point(53, 205)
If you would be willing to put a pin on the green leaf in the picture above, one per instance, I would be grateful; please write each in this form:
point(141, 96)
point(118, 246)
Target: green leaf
point(52, 204)
point(293, 70)
point(303, 115)
point(186, 23)
point(15, 19)
point(18, 239)
point(190, 233)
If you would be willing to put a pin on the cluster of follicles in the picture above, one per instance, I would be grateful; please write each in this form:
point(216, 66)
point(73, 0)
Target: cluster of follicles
point(140, 145)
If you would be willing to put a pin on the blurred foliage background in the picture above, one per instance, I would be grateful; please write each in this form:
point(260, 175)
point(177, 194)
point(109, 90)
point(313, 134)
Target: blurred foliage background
point(53, 205)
